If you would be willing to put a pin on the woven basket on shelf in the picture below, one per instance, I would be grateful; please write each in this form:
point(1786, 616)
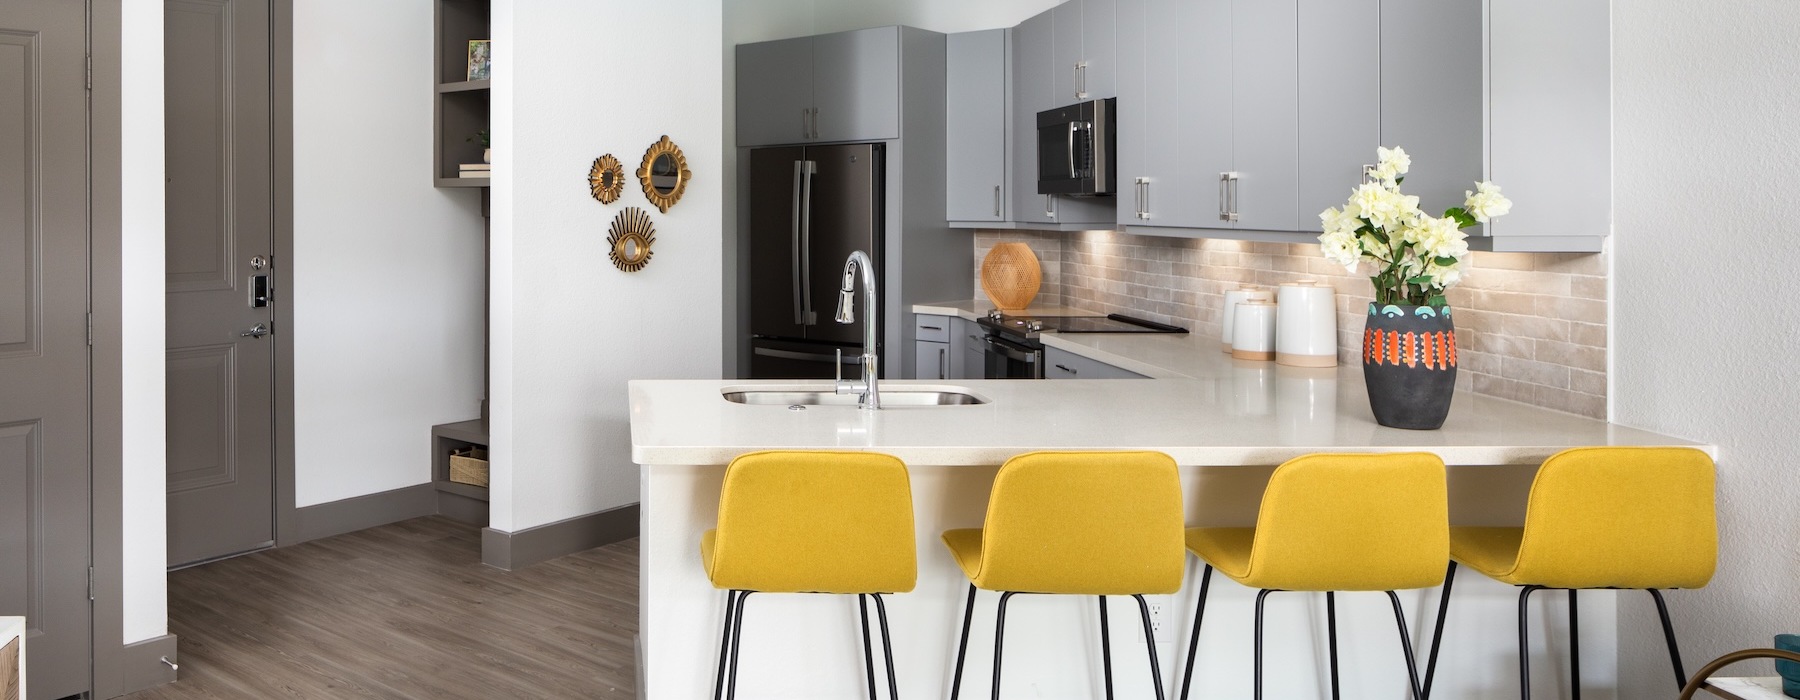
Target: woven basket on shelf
point(469, 466)
point(1010, 276)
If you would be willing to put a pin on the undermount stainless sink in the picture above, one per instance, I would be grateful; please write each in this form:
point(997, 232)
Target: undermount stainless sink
point(893, 395)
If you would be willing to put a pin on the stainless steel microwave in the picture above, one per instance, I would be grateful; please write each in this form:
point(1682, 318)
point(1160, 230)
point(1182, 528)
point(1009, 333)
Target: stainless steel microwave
point(1075, 148)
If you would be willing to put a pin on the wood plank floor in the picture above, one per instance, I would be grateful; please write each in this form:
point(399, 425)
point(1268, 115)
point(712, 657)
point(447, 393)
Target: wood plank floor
point(405, 611)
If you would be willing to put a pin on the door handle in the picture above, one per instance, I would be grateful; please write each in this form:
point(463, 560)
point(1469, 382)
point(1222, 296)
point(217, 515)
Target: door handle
point(1081, 91)
point(257, 331)
point(943, 363)
point(996, 201)
point(1143, 194)
point(1232, 214)
point(812, 167)
point(799, 301)
point(805, 122)
point(1050, 205)
point(1073, 127)
point(1067, 368)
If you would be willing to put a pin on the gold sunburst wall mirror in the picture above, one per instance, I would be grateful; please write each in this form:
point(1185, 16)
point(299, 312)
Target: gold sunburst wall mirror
point(606, 180)
point(630, 239)
point(664, 174)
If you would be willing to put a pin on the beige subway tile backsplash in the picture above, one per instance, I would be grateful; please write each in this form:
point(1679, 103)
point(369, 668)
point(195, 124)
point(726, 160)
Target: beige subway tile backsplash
point(1532, 325)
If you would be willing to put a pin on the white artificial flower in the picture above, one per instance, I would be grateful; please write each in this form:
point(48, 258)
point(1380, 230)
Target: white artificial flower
point(1391, 163)
point(1335, 221)
point(1384, 208)
point(1342, 248)
point(1440, 238)
point(1444, 277)
point(1486, 202)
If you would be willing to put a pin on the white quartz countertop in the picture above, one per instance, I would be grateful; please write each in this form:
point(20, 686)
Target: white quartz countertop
point(970, 310)
point(1231, 413)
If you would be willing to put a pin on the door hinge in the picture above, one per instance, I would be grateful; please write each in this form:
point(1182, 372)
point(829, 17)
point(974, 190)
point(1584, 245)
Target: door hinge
point(90, 583)
point(90, 72)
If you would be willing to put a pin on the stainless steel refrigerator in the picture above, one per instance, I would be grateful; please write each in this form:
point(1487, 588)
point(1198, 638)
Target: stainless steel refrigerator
point(810, 206)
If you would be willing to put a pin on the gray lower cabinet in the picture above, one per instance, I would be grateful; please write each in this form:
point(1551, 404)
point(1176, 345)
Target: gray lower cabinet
point(970, 349)
point(1062, 364)
point(931, 360)
point(826, 88)
point(975, 99)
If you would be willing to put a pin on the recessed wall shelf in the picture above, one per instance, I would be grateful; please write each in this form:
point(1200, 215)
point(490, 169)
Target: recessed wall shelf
point(464, 85)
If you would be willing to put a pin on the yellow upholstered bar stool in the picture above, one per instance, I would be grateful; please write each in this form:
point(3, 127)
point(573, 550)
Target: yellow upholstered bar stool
point(1077, 523)
point(1334, 522)
point(811, 522)
point(1598, 517)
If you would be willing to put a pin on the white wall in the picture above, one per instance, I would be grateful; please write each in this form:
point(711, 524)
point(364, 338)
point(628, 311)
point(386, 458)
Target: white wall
point(387, 269)
point(146, 600)
point(576, 79)
point(1707, 169)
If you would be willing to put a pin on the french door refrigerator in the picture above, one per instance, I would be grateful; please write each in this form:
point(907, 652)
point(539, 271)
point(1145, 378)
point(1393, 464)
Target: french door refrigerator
point(810, 206)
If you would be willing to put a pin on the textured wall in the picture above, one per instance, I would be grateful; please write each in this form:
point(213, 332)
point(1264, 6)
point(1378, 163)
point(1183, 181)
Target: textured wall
point(1705, 325)
point(1530, 328)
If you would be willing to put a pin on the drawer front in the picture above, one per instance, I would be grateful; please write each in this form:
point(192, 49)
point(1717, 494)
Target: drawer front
point(933, 328)
point(1062, 364)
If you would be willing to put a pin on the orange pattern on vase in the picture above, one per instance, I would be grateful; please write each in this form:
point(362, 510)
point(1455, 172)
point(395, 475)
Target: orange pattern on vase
point(1434, 350)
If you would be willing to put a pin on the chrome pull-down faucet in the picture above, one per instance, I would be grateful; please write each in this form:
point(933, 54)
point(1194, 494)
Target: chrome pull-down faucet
point(846, 313)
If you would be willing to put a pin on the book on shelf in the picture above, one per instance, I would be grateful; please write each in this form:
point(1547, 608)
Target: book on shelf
point(477, 173)
point(477, 166)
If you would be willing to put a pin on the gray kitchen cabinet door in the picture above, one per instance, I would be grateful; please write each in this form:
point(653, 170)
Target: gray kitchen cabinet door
point(1197, 122)
point(960, 339)
point(1339, 101)
point(774, 92)
point(1133, 114)
point(975, 140)
point(1265, 152)
point(1550, 101)
point(1099, 48)
point(1033, 56)
point(1067, 55)
point(931, 361)
point(1062, 364)
point(974, 351)
point(1431, 55)
point(856, 85)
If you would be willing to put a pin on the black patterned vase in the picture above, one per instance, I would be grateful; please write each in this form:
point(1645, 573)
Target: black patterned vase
point(1409, 364)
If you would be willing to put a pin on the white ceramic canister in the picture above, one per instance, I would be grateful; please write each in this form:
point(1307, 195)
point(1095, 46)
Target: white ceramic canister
point(1306, 328)
point(1233, 297)
point(1253, 331)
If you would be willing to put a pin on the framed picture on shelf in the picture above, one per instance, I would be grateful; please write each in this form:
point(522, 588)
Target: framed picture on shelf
point(480, 59)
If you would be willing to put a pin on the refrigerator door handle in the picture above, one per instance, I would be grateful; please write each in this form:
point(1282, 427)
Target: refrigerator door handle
point(799, 301)
point(808, 169)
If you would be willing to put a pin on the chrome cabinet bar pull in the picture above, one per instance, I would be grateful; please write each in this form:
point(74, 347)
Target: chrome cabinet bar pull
point(1050, 205)
point(943, 363)
point(1224, 196)
point(996, 201)
point(1081, 91)
point(1232, 213)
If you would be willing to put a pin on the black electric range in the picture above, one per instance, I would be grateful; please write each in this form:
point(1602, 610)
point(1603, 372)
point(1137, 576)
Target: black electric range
point(1014, 351)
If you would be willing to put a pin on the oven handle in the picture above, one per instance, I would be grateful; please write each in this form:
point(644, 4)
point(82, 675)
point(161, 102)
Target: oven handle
point(1010, 352)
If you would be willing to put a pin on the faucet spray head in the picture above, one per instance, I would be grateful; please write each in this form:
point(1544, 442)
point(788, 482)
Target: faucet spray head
point(846, 310)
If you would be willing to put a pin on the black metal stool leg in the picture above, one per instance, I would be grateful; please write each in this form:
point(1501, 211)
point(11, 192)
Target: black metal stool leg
point(1662, 610)
point(1331, 638)
point(1574, 648)
point(1525, 643)
point(1260, 595)
point(862, 610)
point(1000, 639)
point(887, 648)
point(1187, 676)
point(724, 646)
point(1150, 645)
point(962, 647)
point(737, 634)
point(1106, 648)
point(1437, 634)
point(1412, 664)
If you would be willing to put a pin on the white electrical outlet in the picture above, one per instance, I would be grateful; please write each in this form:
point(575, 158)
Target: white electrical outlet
point(1162, 623)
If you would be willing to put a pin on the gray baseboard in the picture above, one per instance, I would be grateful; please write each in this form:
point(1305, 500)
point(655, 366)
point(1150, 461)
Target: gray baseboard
point(516, 550)
point(462, 509)
point(363, 512)
point(141, 665)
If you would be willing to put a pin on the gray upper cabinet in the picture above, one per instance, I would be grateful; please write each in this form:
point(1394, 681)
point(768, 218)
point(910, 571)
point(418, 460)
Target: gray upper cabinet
point(832, 87)
point(1085, 42)
point(976, 93)
point(1033, 57)
point(1340, 101)
point(1264, 187)
point(1431, 101)
point(1550, 116)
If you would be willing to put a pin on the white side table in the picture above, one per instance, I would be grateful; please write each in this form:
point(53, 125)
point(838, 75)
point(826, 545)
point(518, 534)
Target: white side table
point(12, 658)
point(1768, 688)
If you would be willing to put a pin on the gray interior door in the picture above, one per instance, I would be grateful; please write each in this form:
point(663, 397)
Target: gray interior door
point(45, 541)
point(219, 238)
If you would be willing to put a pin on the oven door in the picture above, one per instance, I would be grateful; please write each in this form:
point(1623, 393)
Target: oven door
point(1009, 360)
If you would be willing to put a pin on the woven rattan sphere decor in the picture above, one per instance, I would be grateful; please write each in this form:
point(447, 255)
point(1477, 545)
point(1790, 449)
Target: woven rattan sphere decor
point(1010, 276)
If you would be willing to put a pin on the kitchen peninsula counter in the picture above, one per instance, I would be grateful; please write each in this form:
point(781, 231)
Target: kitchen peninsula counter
point(1226, 423)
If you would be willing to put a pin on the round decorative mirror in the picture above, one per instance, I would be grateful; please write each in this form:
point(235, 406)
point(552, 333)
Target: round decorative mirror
point(606, 180)
point(664, 174)
point(630, 239)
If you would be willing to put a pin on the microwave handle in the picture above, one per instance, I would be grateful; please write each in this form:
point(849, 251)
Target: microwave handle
point(1073, 127)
